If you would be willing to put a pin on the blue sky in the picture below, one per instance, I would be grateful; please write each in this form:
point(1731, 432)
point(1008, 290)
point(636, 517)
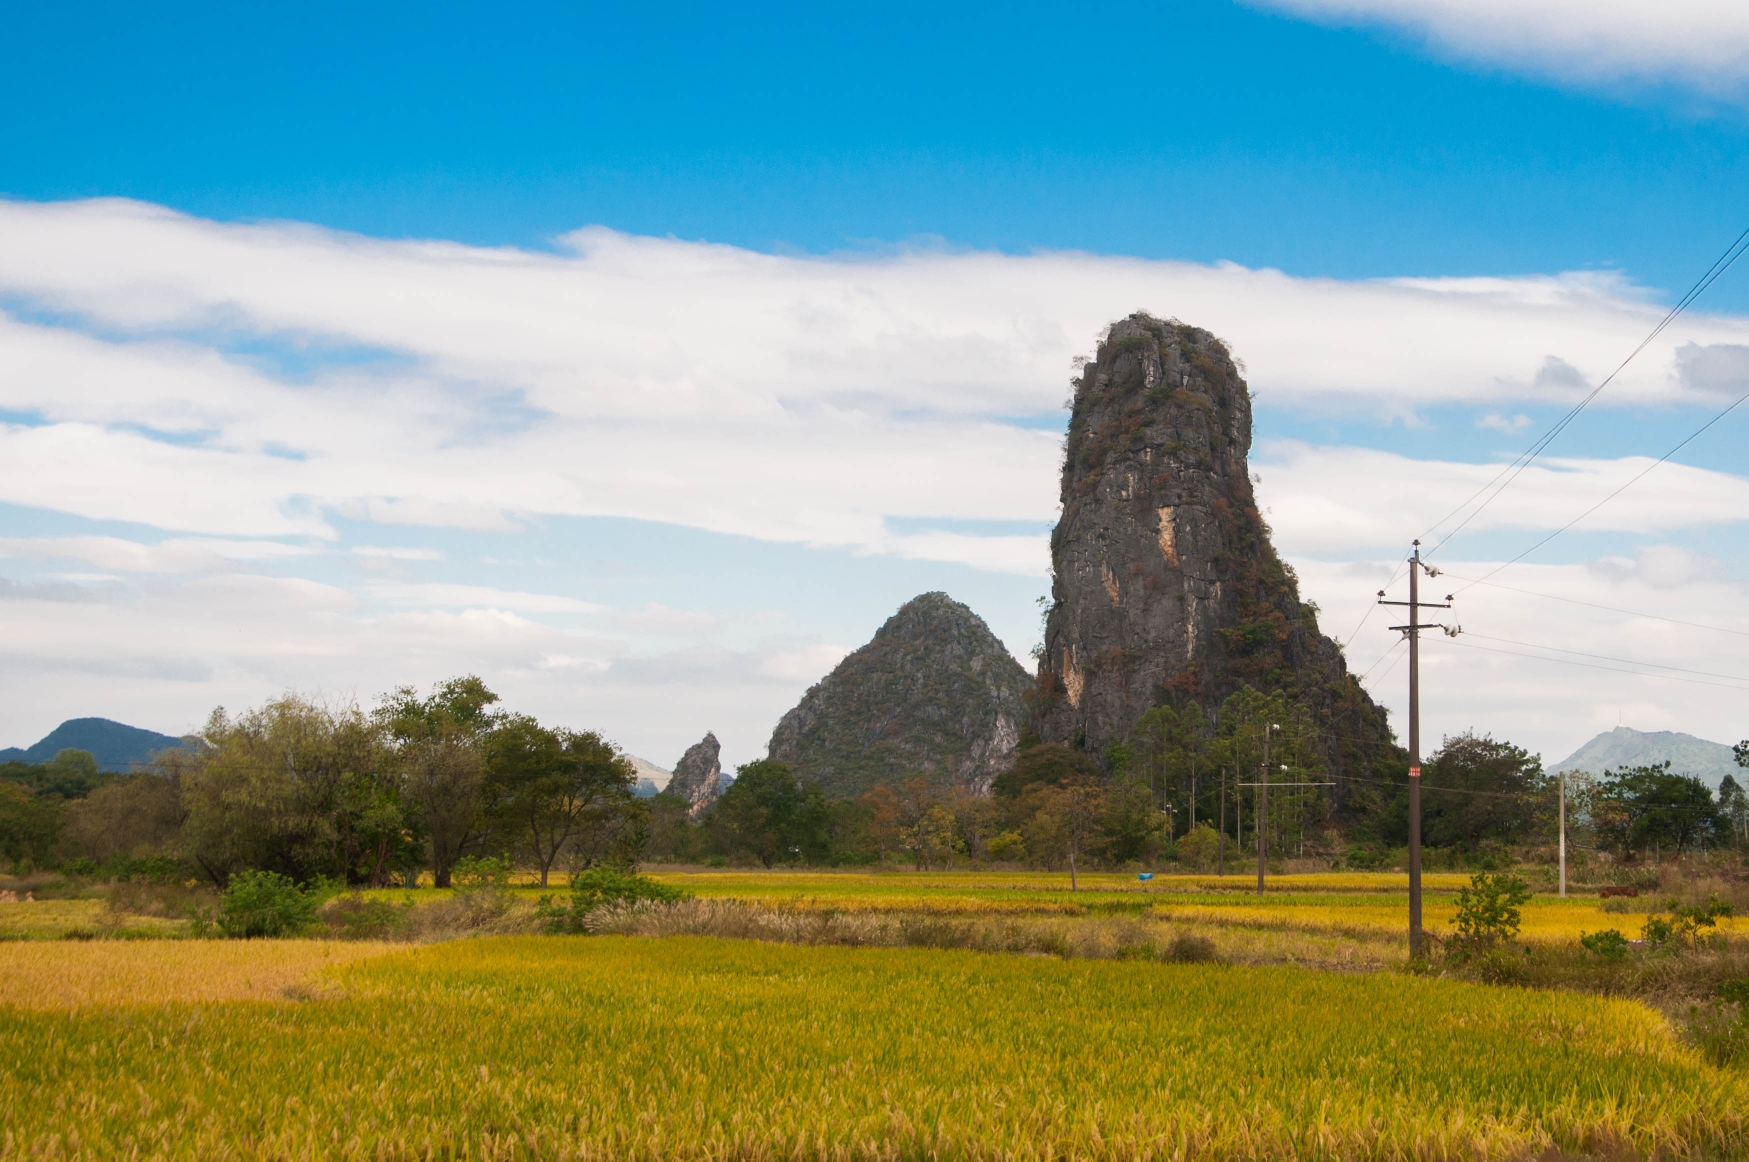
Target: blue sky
point(260, 449)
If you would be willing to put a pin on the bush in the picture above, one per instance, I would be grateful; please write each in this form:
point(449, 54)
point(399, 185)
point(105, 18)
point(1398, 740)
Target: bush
point(353, 917)
point(1006, 847)
point(1488, 909)
point(598, 888)
point(1187, 948)
point(481, 871)
point(1609, 944)
point(1200, 847)
point(1684, 928)
point(264, 903)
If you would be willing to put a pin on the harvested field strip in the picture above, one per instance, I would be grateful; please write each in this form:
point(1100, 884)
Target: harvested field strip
point(69, 974)
point(689, 1048)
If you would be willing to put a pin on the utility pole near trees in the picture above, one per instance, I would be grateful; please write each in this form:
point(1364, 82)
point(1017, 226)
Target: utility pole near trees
point(1563, 824)
point(1413, 632)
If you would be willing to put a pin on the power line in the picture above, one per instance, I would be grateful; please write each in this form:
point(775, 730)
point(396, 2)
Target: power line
point(1686, 440)
point(1371, 608)
point(1609, 658)
point(1512, 470)
point(1595, 605)
point(1594, 666)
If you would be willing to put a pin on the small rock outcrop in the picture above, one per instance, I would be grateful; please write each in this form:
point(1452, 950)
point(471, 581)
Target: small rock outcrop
point(933, 694)
point(698, 776)
point(1166, 586)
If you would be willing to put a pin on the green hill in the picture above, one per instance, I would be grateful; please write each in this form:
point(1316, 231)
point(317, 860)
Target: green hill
point(1626, 747)
point(933, 694)
point(115, 745)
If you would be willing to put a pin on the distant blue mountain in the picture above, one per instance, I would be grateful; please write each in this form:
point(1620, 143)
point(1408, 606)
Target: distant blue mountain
point(115, 746)
point(1626, 747)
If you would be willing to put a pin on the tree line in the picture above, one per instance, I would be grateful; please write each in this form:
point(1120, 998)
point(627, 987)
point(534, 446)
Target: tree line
point(314, 791)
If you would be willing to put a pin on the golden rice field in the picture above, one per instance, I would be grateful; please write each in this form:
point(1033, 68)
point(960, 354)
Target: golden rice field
point(1359, 903)
point(609, 1047)
point(71, 974)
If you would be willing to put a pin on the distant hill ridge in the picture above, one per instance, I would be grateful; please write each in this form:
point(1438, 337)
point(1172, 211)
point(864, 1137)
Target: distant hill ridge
point(115, 745)
point(1627, 747)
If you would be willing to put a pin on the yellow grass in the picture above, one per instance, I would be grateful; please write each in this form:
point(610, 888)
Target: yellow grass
point(1332, 902)
point(684, 1048)
point(68, 974)
point(57, 919)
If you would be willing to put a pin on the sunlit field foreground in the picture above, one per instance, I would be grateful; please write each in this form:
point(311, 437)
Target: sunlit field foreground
point(684, 1048)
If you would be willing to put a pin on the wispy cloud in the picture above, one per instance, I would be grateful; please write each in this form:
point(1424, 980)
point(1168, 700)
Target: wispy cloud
point(1697, 45)
point(1511, 425)
point(794, 399)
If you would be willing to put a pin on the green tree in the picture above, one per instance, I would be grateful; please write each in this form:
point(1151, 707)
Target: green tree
point(1487, 910)
point(1048, 763)
point(137, 816)
point(439, 750)
point(1734, 806)
point(29, 824)
point(932, 839)
point(1131, 826)
point(71, 774)
point(295, 787)
point(555, 792)
point(770, 815)
point(1474, 790)
point(1647, 808)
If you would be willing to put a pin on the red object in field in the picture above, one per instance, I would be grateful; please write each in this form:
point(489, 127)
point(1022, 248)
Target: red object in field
point(1619, 891)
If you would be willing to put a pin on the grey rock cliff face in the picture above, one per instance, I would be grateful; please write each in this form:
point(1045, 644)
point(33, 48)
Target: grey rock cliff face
point(1166, 586)
point(934, 694)
point(698, 776)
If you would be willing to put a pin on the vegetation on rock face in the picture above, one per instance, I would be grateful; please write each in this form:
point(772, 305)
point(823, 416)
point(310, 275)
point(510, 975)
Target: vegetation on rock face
point(1166, 588)
point(934, 694)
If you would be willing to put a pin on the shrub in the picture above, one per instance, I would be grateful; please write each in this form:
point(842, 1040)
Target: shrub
point(598, 888)
point(1188, 948)
point(1488, 909)
point(353, 917)
point(264, 903)
point(481, 871)
point(1684, 928)
point(1008, 847)
point(1722, 1036)
point(1200, 846)
point(1609, 944)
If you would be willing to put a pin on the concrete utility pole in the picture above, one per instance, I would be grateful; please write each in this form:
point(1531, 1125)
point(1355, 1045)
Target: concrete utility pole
point(1269, 729)
point(1563, 778)
point(1413, 632)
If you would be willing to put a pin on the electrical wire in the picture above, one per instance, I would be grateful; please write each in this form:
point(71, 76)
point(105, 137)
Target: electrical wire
point(1636, 479)
point(1608, 658)
point(1512, 470)
point(1594, 666)
point(1595, 605)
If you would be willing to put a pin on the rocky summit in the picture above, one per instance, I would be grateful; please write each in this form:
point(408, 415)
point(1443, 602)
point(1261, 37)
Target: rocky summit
point(698, 776)
point(1166, 586)
point(933, 694)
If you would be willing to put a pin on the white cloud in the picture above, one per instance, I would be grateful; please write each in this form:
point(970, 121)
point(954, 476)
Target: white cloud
point(1499, 676)
point(657, 620)
point(790, 399)
point(163, 653)
point(397, 554)
point(1495, 422)
point(178, 555)
point(479, 597)
point(1334, 499)
point(822, 401)
point(1700, 45)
